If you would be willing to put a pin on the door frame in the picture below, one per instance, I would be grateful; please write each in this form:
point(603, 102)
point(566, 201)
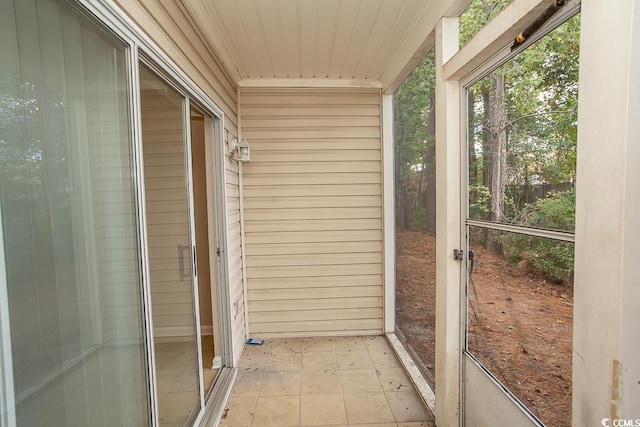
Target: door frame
point(492, 401)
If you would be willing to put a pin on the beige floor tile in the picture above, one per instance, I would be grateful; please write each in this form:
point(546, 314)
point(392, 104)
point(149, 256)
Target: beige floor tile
point(384, 359)
point(247, 384)
point(284, 362)
point(277, 411)
point(318, 361)
point(375, 425)
point(407, 406)
point(280, 383)
point(330, 425)
point(252, 350)
point(354, 360)
point(239, 412)
point(314, 344)
point(418, 424)
point(343, 344)
point(394, 379)
point(320, 409)
point(252, 362)
point(360, 381)
point(377, 343)
point(283, 345)
point(320, 382)
point(367, 408)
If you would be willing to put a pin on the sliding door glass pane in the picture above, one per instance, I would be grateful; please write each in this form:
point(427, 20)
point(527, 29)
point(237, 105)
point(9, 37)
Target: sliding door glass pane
point(68, 219)
point(170, 251)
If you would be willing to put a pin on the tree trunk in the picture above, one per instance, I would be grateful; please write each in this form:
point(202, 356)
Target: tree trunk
point(430, 167)
point(473, 162)
point(401, 196)
point(498, 153)
point(398, 172)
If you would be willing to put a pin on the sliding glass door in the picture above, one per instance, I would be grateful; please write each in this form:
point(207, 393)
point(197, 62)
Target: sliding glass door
point(165, 117)
point(73, 317)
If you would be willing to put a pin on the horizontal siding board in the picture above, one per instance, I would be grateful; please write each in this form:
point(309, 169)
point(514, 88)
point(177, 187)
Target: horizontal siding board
point(306, 259)
point(313, 144)
point(316, 315)
point(314, 236)
point(330, 326)
point(311, 167)
point(312, 213)
point(287, 226)
point(343, 133)
point(312, 202)
point(315, 190)
point(293, 122)
point(274, 179)
point(313, 248)
point(340, 294)
point(315, 282)
point(327, 333)
point(253, 111)
point(313, 270)
point(315, 304)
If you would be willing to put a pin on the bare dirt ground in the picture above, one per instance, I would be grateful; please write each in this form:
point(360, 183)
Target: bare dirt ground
point(520, 326)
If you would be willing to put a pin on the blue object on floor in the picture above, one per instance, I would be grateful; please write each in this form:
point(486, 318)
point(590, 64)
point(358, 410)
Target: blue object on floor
point(255, 341)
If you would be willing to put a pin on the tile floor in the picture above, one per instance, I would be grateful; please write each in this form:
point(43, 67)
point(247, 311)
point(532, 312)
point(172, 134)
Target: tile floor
point(335, 381)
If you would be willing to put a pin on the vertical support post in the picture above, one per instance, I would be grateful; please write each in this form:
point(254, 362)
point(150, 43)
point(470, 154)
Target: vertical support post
point(448, 230)
point(389, 215)
point(606, 340)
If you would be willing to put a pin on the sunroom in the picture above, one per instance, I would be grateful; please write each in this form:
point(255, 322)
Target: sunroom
point(190, 189)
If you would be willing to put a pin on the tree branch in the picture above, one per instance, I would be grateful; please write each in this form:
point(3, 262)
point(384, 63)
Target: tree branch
point(541, 113)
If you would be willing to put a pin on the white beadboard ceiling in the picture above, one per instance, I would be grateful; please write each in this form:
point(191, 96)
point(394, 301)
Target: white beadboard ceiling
point(359, 41)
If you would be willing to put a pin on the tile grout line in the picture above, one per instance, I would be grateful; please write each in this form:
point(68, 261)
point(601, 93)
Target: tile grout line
point(344, 402)
point(255, 403)
point(384, 393)
point(300, 389)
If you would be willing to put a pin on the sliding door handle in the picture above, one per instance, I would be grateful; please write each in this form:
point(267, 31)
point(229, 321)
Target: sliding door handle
point(181, 264)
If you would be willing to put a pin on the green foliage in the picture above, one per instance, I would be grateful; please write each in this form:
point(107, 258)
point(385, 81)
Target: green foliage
point(476, 16)
point(479, 199)
point(550, 258)
point(414, 134)
point(418, 219)
point(412, 102)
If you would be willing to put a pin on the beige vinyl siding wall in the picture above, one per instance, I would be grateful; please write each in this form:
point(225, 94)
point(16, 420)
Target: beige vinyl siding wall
point(313, 211)
point(167, 25)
